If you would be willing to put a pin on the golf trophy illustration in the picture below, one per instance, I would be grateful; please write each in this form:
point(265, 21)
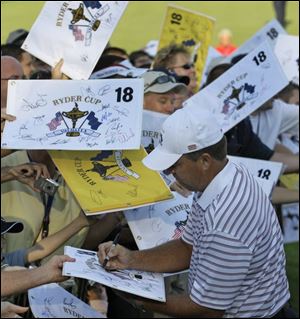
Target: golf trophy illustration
point(74, 115)
point(78, 14)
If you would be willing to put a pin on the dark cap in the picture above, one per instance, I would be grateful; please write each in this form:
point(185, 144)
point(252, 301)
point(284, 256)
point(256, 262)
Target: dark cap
point(17, 37)
point(10, 227)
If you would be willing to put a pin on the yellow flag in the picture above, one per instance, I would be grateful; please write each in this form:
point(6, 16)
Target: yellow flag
point(191, 29)
point(290, 181)
point(107, 181)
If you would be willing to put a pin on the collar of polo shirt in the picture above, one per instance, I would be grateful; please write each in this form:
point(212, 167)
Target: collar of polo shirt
point(217, 185)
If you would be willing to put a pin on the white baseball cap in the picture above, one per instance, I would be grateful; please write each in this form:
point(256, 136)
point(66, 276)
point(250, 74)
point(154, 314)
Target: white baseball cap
point(185, 131)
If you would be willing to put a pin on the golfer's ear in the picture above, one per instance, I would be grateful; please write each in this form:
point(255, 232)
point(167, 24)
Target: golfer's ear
point(206, 160)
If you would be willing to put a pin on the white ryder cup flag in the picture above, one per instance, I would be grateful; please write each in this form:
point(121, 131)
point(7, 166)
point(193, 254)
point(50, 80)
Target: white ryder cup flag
point(77, 31)
point(287, 52)
point(269, 33)
point(74, 115)
point(156, 224)
point(242, 89)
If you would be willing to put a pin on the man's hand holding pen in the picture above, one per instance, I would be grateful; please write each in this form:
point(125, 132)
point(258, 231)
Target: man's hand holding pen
point(114, 256)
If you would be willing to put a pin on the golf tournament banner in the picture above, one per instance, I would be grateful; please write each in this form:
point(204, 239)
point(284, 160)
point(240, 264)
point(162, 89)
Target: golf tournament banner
point(107, 181)
point(242, 89)
point(77, 31)
point(74, 115)
point(287, 52)
point(191, 29)
point(270, 33)
point(265, 172)
point(156, 224)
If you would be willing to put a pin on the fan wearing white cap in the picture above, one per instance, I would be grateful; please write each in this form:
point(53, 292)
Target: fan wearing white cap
point(232, 242)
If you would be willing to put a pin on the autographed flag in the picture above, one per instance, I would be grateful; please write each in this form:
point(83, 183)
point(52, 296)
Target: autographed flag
point(107, 181)
point(55, 122)
point(77, 31)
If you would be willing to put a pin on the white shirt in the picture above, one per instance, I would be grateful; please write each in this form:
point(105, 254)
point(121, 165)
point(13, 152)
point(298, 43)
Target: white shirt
point(238, 260)
point(281, 118)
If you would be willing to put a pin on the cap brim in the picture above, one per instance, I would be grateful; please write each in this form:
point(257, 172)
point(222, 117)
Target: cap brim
point(160, 161)
point(166, 87)
point(11, 227)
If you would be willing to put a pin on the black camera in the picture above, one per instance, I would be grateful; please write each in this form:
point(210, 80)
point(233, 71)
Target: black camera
point(46, 185)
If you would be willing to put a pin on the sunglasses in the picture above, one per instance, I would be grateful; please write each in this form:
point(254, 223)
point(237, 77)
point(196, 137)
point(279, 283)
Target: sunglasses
point(186, 66)
point(161, 80)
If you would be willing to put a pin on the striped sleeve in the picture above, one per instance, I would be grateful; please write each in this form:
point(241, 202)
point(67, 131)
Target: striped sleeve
point(223, 265)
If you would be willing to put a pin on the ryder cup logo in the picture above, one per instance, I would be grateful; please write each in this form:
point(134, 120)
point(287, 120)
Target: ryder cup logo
point(86, 17)
point(238, 98)
point(74, 115)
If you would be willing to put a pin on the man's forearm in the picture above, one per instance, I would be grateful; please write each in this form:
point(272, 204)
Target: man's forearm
point(14, 282)
point(47, 245)
point(179, 306)
point(172, 256)
point(282, 195)
point(290, 160)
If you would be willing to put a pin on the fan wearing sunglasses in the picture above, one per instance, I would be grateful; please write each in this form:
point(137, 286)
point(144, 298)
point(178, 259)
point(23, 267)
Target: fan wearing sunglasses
point(177, 59)
point(160, 90)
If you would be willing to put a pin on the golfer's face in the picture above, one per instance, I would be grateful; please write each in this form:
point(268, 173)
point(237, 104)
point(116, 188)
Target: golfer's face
point(187, 172)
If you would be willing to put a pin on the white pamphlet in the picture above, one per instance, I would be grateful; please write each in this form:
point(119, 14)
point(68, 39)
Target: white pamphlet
point(145, 284)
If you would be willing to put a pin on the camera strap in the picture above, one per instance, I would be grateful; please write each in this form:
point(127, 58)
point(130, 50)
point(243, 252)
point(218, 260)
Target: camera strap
point(47, 208)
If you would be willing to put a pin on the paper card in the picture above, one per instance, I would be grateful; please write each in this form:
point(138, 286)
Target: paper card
point(77, 31)
point(107, 181)
point(191, 29)
point(242, 89)
point(266, 172)
point(74, 115)
point(145, 284)
point(290, 221)
point(52, 301)
point(156, 224)
point(287, 52)
point(269, 33)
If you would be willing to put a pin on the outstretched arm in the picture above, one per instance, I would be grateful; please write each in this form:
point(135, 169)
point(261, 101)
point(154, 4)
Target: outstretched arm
point(46, 246)
point(13, 282)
